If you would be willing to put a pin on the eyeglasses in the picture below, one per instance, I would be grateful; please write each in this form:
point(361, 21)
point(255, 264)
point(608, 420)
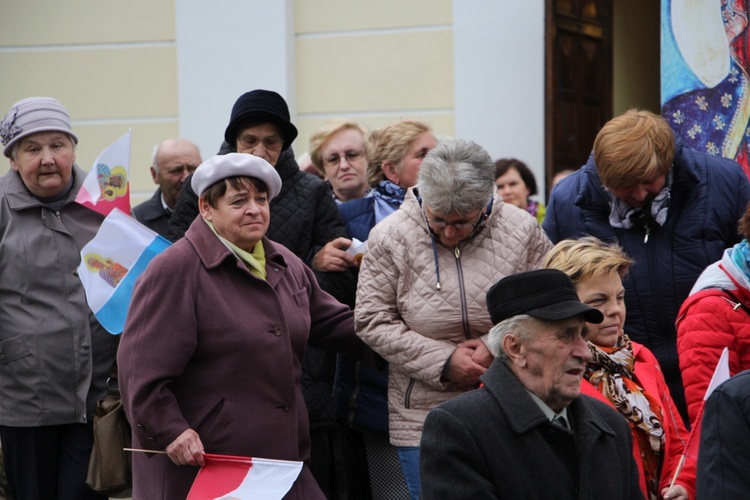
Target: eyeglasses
point(335, 160)
point(441, 224)
point(272, 142)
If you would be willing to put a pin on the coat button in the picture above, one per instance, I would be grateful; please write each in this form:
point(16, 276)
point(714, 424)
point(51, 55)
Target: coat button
point(277, 331)
point(550, 435)
point(85, 347)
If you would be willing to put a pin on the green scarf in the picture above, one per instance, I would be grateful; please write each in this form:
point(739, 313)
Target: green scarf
point(255, 260)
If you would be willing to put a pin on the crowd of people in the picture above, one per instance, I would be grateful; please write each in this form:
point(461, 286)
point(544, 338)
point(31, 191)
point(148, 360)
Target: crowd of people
point(479, 348)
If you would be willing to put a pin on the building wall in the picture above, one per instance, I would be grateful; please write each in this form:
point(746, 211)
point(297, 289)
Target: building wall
point(471, 68)
point(112, 64)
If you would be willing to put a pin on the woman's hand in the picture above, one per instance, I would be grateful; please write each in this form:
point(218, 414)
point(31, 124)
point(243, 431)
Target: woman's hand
point(678, 492)
point(187, 449)
point(333, 256)
point(463, 369)
point(482, 354)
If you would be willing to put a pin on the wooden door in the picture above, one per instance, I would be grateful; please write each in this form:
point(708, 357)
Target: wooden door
point(578, 60)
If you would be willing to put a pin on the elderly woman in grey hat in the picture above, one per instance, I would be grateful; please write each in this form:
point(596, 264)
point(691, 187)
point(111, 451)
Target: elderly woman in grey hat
point(54, 354)
point(421, 293)
point(242, 310)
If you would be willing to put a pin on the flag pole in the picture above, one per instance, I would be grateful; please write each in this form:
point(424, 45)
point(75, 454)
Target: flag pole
point(145, 451)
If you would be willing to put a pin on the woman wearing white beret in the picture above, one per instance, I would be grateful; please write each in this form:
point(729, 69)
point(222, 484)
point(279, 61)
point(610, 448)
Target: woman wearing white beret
point(240, 314)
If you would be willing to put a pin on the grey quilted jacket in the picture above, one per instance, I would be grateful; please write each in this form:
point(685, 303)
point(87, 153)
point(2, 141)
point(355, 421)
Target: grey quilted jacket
point(54, 355)
point(402, 315)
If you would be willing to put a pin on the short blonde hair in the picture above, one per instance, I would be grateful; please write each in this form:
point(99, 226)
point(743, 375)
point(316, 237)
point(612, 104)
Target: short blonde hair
point(632, 148)
point(324, 133)
point(587, 258)
point(390, 143)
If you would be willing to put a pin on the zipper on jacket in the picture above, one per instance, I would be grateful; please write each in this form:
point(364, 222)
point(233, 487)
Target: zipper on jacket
point(645, 238)
point(407, 394)
point(462, 293)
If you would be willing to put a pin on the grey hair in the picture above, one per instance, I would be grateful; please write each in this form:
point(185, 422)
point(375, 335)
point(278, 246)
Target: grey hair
point(522, 326)
point(456, 176)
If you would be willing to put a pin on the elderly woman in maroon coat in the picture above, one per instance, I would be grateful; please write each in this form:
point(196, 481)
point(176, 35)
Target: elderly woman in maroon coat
point(210, 356)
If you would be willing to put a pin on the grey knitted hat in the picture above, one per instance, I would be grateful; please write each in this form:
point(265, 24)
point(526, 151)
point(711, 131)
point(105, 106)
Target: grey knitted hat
point(31, 115)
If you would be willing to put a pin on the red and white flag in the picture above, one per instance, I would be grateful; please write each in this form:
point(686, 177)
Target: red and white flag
point(239, 478)
point(107, 185)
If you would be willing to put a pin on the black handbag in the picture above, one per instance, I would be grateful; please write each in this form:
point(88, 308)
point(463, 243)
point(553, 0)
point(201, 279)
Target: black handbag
point(110, 466)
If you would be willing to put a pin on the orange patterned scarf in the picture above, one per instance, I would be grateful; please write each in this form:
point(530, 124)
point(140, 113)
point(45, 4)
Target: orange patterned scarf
point(611, 372)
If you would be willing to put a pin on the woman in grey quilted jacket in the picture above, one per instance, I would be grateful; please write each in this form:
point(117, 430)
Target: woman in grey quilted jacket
point(421, 293)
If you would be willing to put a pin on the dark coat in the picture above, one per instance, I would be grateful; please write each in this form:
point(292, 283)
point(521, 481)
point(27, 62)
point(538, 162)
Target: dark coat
point(358, 217)
point(495, 442)
point(235, 345)
point(708, 197)
point(151, 214)
point(724, 454)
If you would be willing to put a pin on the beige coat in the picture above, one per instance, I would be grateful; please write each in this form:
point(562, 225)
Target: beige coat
point(402, 315)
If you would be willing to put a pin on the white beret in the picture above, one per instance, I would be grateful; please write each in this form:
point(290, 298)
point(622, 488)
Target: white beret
point(220, 167)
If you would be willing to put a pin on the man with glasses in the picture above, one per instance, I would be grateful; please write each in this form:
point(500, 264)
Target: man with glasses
point(304, 218)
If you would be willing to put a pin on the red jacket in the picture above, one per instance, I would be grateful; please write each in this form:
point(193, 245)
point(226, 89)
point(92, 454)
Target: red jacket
point(648, 375)
point(708, 322)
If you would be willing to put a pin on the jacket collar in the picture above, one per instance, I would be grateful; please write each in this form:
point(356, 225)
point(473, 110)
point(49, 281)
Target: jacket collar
point(591, 193)
point(19, 197)
point(212, 252)
point(287, 166)
point(523, 415)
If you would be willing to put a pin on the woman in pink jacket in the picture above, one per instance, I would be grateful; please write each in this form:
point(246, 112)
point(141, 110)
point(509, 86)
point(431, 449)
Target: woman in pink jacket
point(623, 373)
point(716, 315)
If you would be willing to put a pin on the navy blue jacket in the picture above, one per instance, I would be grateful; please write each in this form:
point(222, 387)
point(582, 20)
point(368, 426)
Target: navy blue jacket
point(708, 196)
point(358, 217)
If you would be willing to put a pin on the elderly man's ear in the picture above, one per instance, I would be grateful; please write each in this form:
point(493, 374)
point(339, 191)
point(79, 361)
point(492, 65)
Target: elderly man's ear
point(514, 349)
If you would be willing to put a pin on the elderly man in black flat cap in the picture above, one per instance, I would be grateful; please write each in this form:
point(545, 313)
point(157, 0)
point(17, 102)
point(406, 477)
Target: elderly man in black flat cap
point(305, 219)
point(528, 432)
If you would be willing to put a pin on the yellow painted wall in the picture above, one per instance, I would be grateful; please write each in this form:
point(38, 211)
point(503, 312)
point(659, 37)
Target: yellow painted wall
point(112, 64)
point(373, 62)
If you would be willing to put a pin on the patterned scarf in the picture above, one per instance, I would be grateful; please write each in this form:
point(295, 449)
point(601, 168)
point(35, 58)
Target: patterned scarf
point(611, 372)
point(650, 216)
point(388, 197)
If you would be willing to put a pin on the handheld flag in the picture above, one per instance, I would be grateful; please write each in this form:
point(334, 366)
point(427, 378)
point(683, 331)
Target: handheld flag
point(107, 185)
point(721, 374)
point(110, 264)
point(227, 477)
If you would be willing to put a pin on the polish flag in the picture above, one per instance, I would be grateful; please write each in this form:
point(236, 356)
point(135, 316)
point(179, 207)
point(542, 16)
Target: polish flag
point(239, 478)
point(107, 185)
